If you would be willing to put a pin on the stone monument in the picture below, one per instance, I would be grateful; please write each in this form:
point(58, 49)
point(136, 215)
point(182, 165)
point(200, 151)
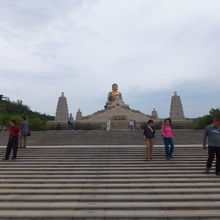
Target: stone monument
point(176, 108)
point(154, 113)
point(116, 113)
point(78, 115)
point(62, 113)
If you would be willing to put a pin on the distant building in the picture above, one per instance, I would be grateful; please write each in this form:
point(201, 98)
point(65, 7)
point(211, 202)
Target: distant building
point(117, 114)
point(62, 113)
point(154, 114)
point(176, 108)
point(78, 115)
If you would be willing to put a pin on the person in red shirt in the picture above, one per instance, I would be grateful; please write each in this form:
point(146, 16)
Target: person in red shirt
point(13, 140)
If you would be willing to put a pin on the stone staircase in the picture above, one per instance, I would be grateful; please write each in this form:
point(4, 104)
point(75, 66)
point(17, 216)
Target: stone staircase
point(107, 182)
point(99, 137)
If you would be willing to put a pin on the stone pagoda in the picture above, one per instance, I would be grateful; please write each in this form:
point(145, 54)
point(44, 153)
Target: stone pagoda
point(176, 108)
point(62, 113)
point(154, 114)
point(78, 115)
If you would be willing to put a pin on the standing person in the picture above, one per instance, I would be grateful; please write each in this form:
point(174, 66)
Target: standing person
point(167, 134)
point(13, 140)
point(149, 135)
point(131, 124)
point(212, 133)
point(70, 122)
point(24, 132)
point(134, 126)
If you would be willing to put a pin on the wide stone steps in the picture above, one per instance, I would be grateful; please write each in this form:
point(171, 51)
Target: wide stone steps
point(99, 137)
point(108, 182)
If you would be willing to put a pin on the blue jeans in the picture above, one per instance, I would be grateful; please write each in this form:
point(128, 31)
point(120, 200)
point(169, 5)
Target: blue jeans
point(169, 146)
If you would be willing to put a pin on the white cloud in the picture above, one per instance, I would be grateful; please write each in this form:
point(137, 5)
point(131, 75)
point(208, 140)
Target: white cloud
point(82, 48)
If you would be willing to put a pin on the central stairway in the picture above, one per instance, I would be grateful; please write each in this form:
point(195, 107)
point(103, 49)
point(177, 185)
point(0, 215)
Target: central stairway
point(108, 182)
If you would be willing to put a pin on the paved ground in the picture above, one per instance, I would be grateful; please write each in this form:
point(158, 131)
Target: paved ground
point(121, 137)
point(107, 182)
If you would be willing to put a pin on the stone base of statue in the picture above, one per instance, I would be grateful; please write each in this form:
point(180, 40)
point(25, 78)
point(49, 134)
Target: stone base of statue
point(116, 115)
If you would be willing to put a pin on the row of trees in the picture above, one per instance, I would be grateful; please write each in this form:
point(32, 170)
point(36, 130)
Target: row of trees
point(15, 110)
point(202, 122)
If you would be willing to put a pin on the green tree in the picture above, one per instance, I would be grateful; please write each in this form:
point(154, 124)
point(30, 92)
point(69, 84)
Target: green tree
point(202, 122)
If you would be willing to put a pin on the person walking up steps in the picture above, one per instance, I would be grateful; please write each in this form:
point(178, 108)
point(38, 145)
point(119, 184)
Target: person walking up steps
point(212, 133)
point(13, 140)
point(167, 134)
point(25, 131)
point(149, 135)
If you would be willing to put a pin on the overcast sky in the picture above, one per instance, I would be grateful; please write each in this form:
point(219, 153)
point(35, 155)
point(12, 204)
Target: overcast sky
point(149, 47)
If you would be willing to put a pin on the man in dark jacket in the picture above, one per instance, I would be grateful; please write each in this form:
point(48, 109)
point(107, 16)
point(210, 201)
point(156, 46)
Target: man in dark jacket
point(212, 133)
point(149, 135)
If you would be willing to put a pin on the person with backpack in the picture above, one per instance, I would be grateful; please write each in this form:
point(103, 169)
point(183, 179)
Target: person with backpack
point(149, 135)
point(212, 136)
point(24, 132)
point(167, 134)
point(12, 141)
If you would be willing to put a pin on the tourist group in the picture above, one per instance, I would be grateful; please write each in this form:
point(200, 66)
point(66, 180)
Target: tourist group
point(211, 137)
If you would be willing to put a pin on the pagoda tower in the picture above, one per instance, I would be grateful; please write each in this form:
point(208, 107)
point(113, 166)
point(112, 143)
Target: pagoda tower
point(62, 113)
point(154, 113)
point(176, 108)
point(78, 115)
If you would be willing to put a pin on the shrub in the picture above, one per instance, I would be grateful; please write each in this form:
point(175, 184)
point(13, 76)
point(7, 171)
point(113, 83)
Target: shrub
point(37, 124)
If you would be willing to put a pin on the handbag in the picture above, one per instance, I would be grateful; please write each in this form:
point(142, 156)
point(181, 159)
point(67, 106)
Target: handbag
point(29, 133)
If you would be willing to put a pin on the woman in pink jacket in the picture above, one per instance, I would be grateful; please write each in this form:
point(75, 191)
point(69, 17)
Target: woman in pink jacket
point(168, 138)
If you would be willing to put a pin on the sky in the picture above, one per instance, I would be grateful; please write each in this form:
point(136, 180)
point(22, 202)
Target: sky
point(150, 48)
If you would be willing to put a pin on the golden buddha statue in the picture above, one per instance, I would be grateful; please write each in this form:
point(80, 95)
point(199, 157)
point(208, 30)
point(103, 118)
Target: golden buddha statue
point(114, 94)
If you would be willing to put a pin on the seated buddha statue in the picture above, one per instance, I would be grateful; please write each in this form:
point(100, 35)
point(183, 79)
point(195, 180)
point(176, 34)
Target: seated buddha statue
point(114, 94)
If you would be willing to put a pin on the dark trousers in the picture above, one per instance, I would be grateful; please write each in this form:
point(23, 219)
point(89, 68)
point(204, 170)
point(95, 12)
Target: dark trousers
point(217, 165)
point(12, 143)
point(169, 146)
point(70, 125)
point(212, 152)
point(211, 156)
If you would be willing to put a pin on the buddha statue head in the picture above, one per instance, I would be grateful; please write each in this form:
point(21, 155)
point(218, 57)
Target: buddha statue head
point(115, 87)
